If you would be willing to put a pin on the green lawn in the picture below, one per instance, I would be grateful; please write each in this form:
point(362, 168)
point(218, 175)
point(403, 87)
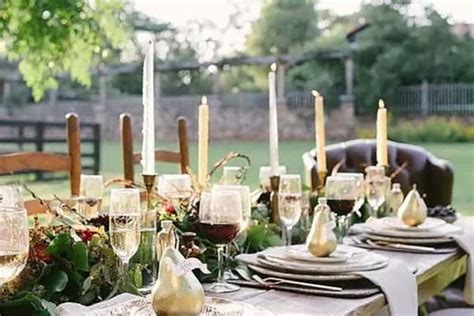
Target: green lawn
point(461, 155)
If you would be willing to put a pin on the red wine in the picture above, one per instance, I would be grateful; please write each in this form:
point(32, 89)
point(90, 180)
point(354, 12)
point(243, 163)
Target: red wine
point(341, 207)
point(220, 233)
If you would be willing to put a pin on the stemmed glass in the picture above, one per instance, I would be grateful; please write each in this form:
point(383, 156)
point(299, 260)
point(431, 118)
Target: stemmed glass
point(11, 196)
point(341, 194)
point(376, 188)
point(264, 175)
point(220, 223)
point(92, 191)
point(305, 212)
point(176, 187)
point(14, 242)
point(232, 175)
point(289, 203)
point(124, 219)
point(360, 185)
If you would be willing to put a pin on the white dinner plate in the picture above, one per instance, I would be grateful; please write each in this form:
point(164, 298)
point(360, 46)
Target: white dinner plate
point(337, 256)
point(414, 241)
point(429, 224)
point(379, 227)
point(304, 277)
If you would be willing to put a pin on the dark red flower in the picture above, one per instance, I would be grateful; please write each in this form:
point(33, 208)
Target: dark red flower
point(86, 234)
point(170, 209)
point(38, 252)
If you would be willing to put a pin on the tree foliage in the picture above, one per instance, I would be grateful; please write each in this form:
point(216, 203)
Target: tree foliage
point(284, 26)
point(54, 38)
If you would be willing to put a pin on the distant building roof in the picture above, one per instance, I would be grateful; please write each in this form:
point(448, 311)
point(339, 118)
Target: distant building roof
point(463, 29)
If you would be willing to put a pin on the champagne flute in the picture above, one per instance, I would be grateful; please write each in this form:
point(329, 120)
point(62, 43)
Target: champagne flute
point(11, 196)
point(289, 203)
point(14, 242)
point(124, 219)
point(220, 223)
point(341, 194)
point(91, 193)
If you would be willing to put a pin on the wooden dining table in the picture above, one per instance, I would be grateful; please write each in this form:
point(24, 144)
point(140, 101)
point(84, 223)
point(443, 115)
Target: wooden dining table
point(434, 273)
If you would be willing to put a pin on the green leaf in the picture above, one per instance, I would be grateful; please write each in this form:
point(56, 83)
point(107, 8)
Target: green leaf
point(80, 256)
point(137, 275)
point(56, 281)
point(60, 244)
point(28, 304)
point(86, 285)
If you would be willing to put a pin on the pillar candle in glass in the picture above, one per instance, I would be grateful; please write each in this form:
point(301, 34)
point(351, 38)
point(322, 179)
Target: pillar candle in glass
point(148, 130)
point(273, 121)
point(382, 150)
point(203, 141)
point(320, 132)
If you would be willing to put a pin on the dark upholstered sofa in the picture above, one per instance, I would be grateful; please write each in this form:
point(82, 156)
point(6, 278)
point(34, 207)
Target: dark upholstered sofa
point(433, 176)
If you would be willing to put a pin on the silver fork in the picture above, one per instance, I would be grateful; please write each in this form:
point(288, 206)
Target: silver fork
point(275, 281)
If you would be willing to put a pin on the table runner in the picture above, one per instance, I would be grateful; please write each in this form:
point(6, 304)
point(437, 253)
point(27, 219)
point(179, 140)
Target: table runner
point(466, 243)
point(398, 285)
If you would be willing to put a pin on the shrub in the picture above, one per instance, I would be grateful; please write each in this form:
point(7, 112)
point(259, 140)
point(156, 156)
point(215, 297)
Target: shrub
point(431, 130)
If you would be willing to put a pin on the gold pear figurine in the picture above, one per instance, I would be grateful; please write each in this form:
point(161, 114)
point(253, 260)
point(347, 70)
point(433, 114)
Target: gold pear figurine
point(321, 240)
point(413, 210)
point(177, 291)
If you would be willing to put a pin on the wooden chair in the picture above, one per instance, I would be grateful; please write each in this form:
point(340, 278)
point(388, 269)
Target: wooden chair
point(130, 159)
point(52, 162)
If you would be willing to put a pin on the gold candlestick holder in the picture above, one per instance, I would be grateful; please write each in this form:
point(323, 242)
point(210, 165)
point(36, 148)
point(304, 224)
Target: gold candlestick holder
point(321, 181)
point(274, 186)
point(149, 182)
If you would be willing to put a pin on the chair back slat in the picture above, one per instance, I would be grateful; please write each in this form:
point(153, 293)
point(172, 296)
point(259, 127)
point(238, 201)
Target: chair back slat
point(41, 161)
point(74, 150)
point(130, 159)
point(126, 136)
point(183, 144)
point(34, 207)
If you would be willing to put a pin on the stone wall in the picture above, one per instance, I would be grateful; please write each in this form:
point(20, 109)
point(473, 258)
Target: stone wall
point(226, 122)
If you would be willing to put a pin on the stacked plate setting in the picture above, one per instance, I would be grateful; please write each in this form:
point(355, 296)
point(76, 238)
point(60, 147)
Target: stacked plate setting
point(295, 264)
point(392, 232)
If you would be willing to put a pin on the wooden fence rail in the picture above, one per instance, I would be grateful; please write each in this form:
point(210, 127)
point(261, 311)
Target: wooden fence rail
point(35, 135)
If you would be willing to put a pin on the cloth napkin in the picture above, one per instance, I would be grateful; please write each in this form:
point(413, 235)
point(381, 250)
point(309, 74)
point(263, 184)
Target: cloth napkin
point(102, 308)
point(466, 243)
point(399, 286)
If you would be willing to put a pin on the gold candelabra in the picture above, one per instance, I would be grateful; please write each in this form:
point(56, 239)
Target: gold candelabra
point(149, 182)
point(274, 186)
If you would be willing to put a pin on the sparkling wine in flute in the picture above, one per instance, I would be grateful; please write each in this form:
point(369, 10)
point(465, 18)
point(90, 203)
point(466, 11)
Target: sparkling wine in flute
point(220, 233)
point(125, 234)
point(11, 264)
point(341, 206)
point(289, 207)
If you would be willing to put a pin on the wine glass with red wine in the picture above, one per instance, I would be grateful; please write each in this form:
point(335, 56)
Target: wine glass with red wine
point(220, 223)
point(341, 194)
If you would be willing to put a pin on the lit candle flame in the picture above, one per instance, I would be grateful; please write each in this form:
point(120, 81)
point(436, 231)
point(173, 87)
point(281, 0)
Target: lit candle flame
point(204, 100)
point(273, 67)
point(381, 104)
point(315, 93)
